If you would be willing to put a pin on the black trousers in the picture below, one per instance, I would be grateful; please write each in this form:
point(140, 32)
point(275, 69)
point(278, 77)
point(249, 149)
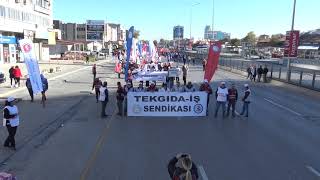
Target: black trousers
point(10, 141)
point(30, 93)
point(97, 94)
point(94, 76)
point(11, 80)
point(103, 109)
point(185, 80)
point(233, 105)
point(18, 81)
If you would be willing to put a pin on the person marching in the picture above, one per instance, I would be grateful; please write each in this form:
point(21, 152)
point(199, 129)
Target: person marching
point(29, 87)
point(207, 88)
point(94, 71)
point(260, 72)
point(17, 76)
point(96, 86)
point(164, 88)
point(152, 87)
point(189, 87)
point(232, 100)
point(253, 73)
point(140, 88)
point(178, 88)
point(265, 72)
point(45, 87)
point(11, 121)
point(221, 96)
point(11, 76)
point(120, 98)
point(246, 101)
point(104, 98)
point(184, 74)
point(181, 167)
point(127, 88)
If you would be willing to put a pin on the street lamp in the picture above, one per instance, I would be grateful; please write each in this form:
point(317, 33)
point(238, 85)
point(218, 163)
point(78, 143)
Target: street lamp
point(213, 19)
point(193, 5)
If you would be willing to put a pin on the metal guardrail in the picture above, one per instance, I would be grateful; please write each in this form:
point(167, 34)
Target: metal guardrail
point(298, 75)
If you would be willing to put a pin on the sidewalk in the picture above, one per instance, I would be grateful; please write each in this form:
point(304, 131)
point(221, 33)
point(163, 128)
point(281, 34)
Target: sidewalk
point(59, 69)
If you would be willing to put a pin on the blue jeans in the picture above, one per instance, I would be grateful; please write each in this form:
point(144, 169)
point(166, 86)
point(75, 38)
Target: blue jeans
point(223, 104)
point(245, 108)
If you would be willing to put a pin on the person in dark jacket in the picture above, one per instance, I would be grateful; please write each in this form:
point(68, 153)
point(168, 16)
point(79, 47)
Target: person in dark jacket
point(104, 98)
point(232, 100)
point(94, 71)
point(181, 167)
point(120, 98)
point(246, 101)
point(96, 86)
point(249, 72)
point(29, 87)
point(184, 74)
point(11, 75)
point(260, 72)
point(265, 72)
point(11, 121)
point(207, 88)
point(17, 75)
point(45, 87)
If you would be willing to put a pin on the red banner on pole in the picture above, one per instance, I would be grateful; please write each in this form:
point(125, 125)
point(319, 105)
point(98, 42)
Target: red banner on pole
point(292, 44)
point(213, 60)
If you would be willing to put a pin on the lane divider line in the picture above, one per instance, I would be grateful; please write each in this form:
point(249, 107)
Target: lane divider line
point(93, 157)
point(203, 173)
point(282, 107)
point(314, 171)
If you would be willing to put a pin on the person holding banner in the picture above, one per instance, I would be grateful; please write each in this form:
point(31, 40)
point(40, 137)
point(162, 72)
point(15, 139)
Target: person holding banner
point(152, 87)
point(127, 88)
point(178, 88)
point(164, 88)
point(189, 87)
point(45, 86)
point(221, 96)
point(140, 88)
point(207, 88)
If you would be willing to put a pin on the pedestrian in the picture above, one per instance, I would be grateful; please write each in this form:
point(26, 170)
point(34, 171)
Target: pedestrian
point(178, 88)
point(221, 96)
point(184, 74)
point(104, 98)
point(253, 73)
point(140, 88)
point(127, 88)
point(249, 72)
point(120, 98)
point(45, 87)
point(164, 88)
point(87, 59)
point(17, 76)
point(193, 61)
point(207, 88)
point(265, 73)
point(189, 87)
point(152, 87)
point(94, 71)
point(260, 72)
point(11, 75)
point(204, 63)
point(181, 167)
point(232, 100)
point(246, 101)
point(96, 86)
point(11, 121)
point(29, 87)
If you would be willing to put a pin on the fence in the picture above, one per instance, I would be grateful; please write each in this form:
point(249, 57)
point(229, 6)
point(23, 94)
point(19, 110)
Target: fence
point(300, 75)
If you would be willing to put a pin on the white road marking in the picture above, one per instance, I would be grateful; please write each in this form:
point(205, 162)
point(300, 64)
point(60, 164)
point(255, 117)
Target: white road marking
point(203, 173)
point(314, 171)
point(283, 107)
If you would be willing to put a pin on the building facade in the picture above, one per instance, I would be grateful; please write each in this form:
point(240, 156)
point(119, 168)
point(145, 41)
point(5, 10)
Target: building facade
point(215, 35)
point(21, 19)
point(178, 32)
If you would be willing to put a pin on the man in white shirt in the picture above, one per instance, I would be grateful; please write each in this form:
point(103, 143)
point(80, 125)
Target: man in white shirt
point(221, 96)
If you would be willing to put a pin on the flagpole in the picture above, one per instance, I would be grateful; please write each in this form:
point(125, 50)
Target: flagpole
point(292, 29)
point(213, 19)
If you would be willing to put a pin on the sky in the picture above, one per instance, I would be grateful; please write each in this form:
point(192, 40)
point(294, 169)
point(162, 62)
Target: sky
point(156, 18)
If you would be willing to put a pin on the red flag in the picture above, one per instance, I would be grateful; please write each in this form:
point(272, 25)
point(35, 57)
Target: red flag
point(213, 60)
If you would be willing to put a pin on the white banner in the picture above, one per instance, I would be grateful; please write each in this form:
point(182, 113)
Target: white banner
point(32, 65)
point(169, 104)
point(150, 76)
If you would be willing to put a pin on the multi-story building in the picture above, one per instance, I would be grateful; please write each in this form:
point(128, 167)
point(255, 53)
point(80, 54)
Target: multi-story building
point(113, 32)
point(215, 35)
point(24, 19)
point(178, 32)
point(208, 33)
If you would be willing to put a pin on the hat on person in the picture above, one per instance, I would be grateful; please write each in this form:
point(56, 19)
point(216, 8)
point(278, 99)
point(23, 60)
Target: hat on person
point(11, 99)
point(246, 85)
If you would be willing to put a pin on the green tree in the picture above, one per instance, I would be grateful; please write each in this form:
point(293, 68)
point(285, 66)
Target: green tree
point(251, 38)
point(275, 42)
point(235, 42)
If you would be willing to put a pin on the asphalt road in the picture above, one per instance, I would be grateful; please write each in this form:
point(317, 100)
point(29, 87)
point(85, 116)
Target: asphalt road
point(279, 141)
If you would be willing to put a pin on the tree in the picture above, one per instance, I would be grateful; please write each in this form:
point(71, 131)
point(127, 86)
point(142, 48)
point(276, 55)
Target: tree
point(225, 40)
point(235, 42)
point(250, 38)
point(275, 42)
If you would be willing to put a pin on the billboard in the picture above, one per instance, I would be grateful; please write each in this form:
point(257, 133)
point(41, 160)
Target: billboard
point(292, 44)
point(95, 30)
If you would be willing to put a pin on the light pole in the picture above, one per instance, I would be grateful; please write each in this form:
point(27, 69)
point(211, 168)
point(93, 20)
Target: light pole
point(213, 19)
point(292, 29)
point(193, 5)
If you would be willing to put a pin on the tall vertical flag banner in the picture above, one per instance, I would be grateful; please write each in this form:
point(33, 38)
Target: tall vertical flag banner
point(292, 44)
point(31, 64)
point(213, 60)
point(129, 45)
